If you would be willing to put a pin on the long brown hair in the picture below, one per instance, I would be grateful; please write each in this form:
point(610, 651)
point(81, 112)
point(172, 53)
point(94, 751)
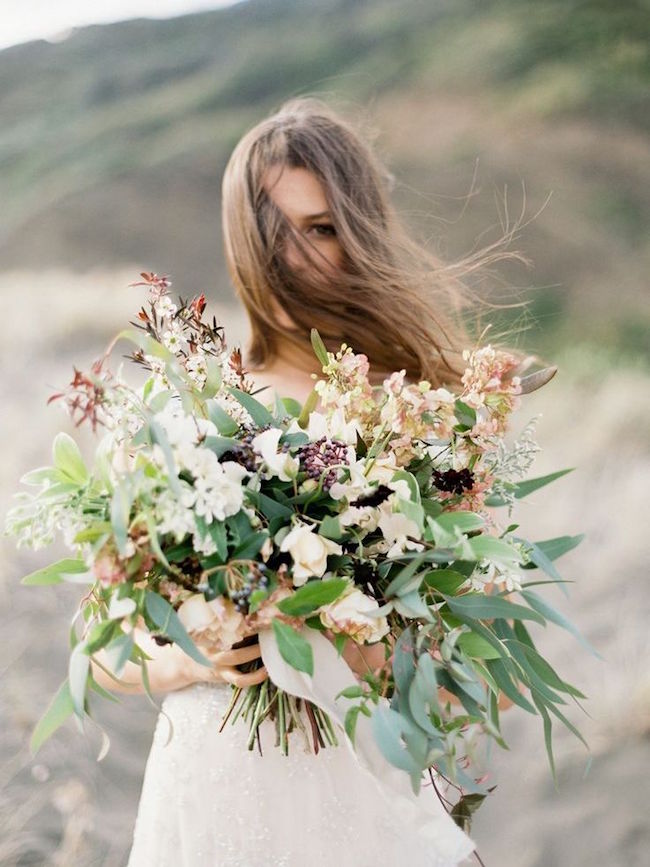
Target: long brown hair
point(393, 300)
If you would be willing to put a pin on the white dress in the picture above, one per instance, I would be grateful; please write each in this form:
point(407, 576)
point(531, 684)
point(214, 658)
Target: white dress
point(207, 801)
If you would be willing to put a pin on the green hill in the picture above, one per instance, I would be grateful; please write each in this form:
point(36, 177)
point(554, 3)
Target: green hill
point(113, 142)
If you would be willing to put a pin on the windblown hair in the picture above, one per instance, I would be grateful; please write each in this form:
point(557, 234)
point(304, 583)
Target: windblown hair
point(392, 300)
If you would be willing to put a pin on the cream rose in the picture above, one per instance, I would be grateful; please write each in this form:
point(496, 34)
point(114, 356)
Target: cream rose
point(216, 624)
point(350, 614)
point(308, 551)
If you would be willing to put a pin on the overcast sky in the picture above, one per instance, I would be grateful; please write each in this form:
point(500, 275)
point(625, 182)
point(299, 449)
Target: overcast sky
point(24, 20)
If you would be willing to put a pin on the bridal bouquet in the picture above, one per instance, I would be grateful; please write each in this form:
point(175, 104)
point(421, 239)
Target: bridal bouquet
point(211, 519)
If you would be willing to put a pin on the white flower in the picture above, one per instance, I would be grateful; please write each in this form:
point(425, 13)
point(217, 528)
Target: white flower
point(278, 463)
point(363, 473)
point(175, 515)
point(219, 491)
point(396, 527)
point(351, 614)
point(334, 427)
point(364, 517)
point(165, 306)
point(308, 551)
point(172, 340)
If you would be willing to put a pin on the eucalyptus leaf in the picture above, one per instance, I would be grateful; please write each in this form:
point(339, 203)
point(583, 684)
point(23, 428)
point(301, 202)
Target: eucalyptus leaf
point(55, 573)
point(78, 666)
point(68, 459)
point(388, 727)
point(222, 420)
point(550, 613)
point(58, 711)
point(312, 595)
point(257, 411)
point(482, 607)
point(166, 619)
point(294, 649)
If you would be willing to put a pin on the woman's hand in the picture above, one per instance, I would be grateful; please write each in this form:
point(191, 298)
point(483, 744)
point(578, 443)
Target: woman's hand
point(223, 667)
point(170, 668)
point(362, 658)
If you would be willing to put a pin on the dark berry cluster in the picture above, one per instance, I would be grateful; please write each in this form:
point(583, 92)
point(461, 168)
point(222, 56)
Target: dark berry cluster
point(316, 457)
point(255, 579)
point(453, 481)
point(242, 452)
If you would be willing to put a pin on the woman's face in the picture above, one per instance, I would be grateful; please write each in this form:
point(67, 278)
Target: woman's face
point(300, 196)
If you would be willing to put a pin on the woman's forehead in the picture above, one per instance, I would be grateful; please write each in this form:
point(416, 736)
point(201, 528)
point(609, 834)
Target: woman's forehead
point(297, 192)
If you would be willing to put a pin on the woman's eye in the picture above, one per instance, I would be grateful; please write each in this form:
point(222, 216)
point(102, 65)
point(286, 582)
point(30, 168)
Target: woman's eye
point(324, 229)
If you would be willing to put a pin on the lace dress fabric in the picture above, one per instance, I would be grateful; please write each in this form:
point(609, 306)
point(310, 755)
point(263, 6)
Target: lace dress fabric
point(207, 801)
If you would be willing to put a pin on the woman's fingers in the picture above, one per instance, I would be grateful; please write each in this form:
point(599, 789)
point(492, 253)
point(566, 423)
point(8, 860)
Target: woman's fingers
point(232, 675)
point(236, 657)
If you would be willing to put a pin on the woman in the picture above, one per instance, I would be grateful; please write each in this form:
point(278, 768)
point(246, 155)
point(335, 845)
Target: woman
point(311, 240)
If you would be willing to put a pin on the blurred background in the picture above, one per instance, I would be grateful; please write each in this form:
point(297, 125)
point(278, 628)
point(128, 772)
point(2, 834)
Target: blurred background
point(113, 141)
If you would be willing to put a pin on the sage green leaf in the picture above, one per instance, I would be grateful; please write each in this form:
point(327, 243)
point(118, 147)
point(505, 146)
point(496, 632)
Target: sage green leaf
point(55, 573)
point(482, 607)
point(444, 580)
point(499, 672)
point(213, 379)
point(58, 711)
point(404, 661)
point(465, 414)
point(551, 549)
point(154, 541)
point(78, 666)
point(269, 507)
point(459, 522)
point(220, 444)
point(121, 502)
point(412, 605)
point(558, 713)
point(548, 673)
point(158, 436)
point(421, 698)
point(292, 406)
point(41, 475)
point(550, 613)
point(222, 420)
point(388, 727)
point(68, 459)
point(491, 548)
point(330, 528)
point(294, 649)
point(477, 647)
point(404, 576)
point(522, 489)
point(159, 401)
point(548, 735)
point(319, 348)
point(312, 595)
point(118, 652)
point(257, 411)
point(166, 619)
point(350, 722)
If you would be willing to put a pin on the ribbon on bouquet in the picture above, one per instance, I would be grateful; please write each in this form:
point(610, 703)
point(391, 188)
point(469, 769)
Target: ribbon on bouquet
point(331, 675)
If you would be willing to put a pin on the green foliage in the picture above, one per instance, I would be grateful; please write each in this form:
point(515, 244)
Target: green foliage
point(294, 649)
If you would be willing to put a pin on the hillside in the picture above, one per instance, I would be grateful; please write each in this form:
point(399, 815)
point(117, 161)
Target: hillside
point(113, 142)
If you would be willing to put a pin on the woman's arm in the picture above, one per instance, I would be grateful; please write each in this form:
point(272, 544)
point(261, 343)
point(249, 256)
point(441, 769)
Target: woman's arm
point(170, 668)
